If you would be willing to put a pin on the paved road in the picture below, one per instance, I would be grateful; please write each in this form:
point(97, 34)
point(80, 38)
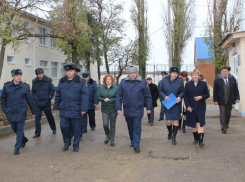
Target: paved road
point(222, 159)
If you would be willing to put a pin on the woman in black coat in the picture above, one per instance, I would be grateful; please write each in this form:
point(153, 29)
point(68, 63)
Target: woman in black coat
point(175, 85)
point(154, 95)
point(196, 92)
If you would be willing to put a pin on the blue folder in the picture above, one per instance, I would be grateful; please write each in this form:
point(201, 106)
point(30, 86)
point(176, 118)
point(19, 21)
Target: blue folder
point(171, 103)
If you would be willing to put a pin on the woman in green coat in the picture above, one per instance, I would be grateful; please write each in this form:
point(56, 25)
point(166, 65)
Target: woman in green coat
point(107, 96)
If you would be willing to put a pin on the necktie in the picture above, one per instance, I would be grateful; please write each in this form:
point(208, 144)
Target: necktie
point(226, 81)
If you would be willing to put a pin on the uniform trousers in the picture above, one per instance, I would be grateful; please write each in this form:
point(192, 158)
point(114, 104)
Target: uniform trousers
point(91, 115)
point(49, 115)
point(65, 125)
point(18, 128)
point(134, 129)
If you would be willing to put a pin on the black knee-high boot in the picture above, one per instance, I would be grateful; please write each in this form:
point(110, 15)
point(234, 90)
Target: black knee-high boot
point(180, 121)
point(183, 127)
point(170, 131)
point(175, 131)
point(201, 143)
point(195, 134)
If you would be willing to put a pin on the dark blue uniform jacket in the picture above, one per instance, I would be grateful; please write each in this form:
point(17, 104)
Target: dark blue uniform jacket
point(42, 91)
point(14, 100)
point(71, 98)
point(93, 93)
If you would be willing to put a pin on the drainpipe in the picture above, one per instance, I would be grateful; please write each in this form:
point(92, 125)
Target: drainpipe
point(34, 49)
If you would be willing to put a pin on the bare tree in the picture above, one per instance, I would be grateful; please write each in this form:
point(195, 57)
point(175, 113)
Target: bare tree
point(220, 22)
point(183, 19)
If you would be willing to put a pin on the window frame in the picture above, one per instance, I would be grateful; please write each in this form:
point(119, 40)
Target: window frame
point(10, 62)
point(43, 66)
point(29, 62)
point(43, 38)
point(56, 68)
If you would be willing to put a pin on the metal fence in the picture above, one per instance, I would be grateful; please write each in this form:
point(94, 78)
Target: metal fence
point(152, 70)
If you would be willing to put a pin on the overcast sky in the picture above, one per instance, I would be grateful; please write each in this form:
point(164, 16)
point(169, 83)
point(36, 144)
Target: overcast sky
point(158, 47)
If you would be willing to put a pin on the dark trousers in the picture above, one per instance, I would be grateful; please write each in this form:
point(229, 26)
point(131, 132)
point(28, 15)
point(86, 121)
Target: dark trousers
point(225, 115)
point(151, 116)
point(91, 115)
point(49, 115)
point(134, 129)
point(109, 118)
point(18, 128)
point(162, 113)
point(65, 125)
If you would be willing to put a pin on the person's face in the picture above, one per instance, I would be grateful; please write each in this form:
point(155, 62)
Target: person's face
point(174, 75)
point(149, 82)
point(195, 77)
point(225, 72)
point(17, 78)
point(108, 81)
point(70, 73)
point(132, 76)
point(40, 76)
point(87, 78)
point(164, 76)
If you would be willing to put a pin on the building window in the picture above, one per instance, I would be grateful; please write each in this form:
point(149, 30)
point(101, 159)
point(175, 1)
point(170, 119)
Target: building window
point(63, 73)
point(52, 41)
point(27, 61)
point(43, 64)
point(10, 60)
point(27, 27)
point(42, 40)
point(54, 66)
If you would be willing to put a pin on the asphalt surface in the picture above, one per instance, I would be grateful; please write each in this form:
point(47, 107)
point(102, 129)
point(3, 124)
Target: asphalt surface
point(222, 159)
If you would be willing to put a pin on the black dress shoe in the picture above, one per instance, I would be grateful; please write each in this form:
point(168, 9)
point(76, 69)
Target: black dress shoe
point(106, 140)
point(228, 127)
point(84, 131)
point(160, 119)
point(224, 131)
point(112, 144)
point(137, 150)
point(54, 132)
point(131, 145)
point(36, 136)
point(80, 139)
point(195, 142)
point(75, 150)
point(92, 129)
point(24, 144)
point(65, 148)
point(151, 124)
point(16, 151)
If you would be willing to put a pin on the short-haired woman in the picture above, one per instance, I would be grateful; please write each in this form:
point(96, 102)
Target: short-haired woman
point(107, 95)
point(184, 76)
point(196, 92)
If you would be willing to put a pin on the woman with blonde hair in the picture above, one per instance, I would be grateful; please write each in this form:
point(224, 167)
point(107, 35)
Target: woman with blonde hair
point(196, 92)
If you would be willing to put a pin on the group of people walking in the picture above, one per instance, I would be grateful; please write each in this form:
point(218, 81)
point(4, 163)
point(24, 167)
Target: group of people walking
point(77, 97)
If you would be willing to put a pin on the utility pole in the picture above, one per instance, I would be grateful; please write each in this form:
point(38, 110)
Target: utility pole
point(169, 35)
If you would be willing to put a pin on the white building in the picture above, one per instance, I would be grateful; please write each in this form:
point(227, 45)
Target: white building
point(36, 53)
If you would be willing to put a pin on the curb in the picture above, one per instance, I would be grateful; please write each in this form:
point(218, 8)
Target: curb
point(7, 130)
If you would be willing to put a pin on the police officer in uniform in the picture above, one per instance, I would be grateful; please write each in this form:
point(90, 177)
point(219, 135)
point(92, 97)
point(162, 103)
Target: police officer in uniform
point(134, 93)
point(14, 99)
point(93, 102)
point(43, 93)
point(164, 75)
point(71, 101)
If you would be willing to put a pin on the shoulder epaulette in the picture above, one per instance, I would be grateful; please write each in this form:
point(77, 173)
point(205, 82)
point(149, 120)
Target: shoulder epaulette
point(26, 83)
point(7, 82)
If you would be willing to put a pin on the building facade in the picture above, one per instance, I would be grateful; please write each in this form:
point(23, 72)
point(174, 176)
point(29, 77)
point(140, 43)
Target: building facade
point(35, 53)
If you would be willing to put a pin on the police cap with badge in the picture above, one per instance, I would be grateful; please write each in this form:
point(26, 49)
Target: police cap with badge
point(69, 66)
point(39, 71)
point(85, 74)
point(16, 72)
point(174, 69)
point(164, 73)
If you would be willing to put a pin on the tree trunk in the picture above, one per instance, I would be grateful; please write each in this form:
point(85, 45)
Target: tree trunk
point(3, 47)
point(98, 69)
point(74, 56)
point(106, 62)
